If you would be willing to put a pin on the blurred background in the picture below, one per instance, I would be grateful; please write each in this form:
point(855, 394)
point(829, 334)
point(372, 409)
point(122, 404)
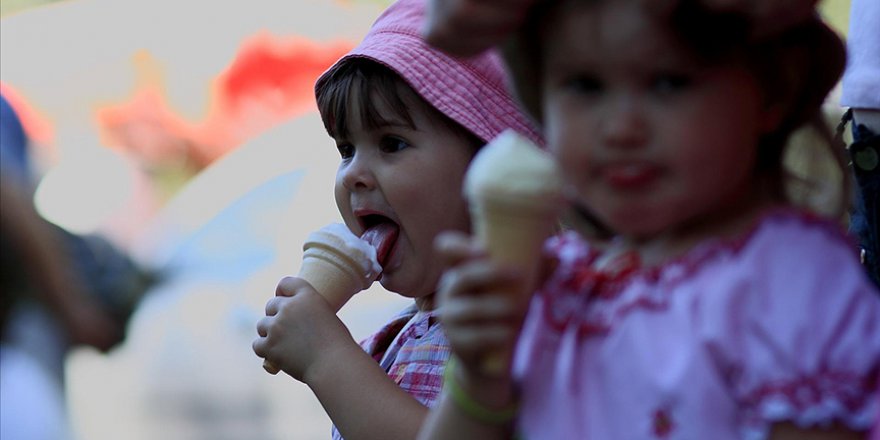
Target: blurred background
point(183, 137)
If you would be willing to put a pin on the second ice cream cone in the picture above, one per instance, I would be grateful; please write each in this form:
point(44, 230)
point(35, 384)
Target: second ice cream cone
point(515, 196)
point(513, 234)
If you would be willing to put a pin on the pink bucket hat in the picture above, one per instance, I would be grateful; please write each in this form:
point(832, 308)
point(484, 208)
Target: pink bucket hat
point(471, 91)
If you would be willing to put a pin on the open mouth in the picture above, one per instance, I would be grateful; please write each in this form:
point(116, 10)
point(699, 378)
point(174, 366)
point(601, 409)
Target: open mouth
point(381, 232)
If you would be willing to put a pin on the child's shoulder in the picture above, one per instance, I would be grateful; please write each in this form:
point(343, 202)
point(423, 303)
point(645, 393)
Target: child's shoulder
point(787, 241)
point(781, 239)
point(781, 225)
point(786, 255)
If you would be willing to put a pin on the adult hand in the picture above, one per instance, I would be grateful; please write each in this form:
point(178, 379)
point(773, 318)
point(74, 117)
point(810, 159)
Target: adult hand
point(300, 332)
point(468, 27)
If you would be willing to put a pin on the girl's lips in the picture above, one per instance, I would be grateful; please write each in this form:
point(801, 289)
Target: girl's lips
point(629, 175)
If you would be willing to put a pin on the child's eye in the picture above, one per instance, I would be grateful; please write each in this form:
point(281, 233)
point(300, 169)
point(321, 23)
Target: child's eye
point(391, 144)
point(670, 82)
point(582, 84)
point(346, 151)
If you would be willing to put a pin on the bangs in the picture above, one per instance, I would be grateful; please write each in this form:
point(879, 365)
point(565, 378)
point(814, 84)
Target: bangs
point(351, 89)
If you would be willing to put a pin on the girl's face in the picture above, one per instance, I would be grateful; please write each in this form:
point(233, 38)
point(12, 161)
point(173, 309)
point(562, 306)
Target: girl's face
point(647, 138)
point(409, 179)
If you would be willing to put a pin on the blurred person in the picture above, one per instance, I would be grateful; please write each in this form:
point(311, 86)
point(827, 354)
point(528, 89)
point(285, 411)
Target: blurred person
point(861, 94)
point(38, 288)
point(722, 308)
point(13, 144)
point(37, 277)
point(406, 120)
point(59, 290)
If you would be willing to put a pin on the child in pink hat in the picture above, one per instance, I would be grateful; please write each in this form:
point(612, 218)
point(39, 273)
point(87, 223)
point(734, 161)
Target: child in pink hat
point(407, 120)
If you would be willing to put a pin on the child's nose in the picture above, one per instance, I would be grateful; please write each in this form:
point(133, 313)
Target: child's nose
point(357, 175)
point(624, 125)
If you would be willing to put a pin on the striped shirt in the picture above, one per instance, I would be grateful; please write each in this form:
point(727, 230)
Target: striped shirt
point(413, 350)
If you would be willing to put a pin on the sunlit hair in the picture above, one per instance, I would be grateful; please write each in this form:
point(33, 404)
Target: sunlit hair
point(796, 69)
point(351, 88)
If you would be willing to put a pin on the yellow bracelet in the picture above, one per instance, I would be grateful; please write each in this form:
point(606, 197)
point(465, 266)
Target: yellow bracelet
point(471, 407)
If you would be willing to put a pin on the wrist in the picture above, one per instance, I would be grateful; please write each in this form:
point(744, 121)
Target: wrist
point(489, 400)
point(339, 353)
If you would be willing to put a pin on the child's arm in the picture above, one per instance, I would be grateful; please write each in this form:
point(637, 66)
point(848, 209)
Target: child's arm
point(303, 337)
point(861, 93)
point(57, 285)
point(477, 320)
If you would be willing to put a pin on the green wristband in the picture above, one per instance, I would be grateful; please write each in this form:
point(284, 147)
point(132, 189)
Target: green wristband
point(471, 407)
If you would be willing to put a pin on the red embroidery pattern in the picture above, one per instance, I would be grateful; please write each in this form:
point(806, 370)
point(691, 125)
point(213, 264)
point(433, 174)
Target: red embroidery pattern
point(848, 389)
point(662, 424)
point(594, 301)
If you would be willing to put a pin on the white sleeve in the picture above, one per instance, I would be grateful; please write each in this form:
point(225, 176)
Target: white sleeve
point(861, 80)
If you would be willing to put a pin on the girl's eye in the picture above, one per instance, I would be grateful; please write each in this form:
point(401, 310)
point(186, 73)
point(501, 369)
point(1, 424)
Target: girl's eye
point(390, 144)
point(670, 82)
point(583, 84)
point(346, 151)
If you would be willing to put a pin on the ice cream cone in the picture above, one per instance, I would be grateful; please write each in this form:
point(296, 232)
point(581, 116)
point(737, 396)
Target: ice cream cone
point(513, 235)
point(515, 197)
point(338, 265)
point(335, 275)
point(512, 232)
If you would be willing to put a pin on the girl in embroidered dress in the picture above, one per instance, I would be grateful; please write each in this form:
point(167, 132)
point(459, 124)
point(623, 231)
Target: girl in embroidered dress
point(405, 137)
point(725, 306)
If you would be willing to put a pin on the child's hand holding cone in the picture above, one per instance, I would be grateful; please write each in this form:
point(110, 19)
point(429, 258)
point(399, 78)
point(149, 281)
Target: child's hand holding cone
point(338, 265)
point(515, 196)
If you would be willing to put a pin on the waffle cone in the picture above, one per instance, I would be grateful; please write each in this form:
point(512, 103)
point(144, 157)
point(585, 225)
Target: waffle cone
point(513, 232)
point(334, 275)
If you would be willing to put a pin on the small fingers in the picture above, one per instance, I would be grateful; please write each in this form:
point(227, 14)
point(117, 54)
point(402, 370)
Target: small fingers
point(487, 338)
point(479, 310)
point(454, 247)
point(263, 326)
point(477, 277)
point(274, 305)
point(259, 345)
point(289, 286)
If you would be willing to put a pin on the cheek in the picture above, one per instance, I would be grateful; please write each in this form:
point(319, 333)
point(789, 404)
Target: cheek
point(441, 205)
point(343, 202)
point(568, 145)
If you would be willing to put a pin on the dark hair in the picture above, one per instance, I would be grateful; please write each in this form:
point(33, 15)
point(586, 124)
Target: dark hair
point(796, 70)
point(368, 81)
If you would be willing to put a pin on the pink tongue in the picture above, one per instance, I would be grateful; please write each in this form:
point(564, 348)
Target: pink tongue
point(382, 237)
